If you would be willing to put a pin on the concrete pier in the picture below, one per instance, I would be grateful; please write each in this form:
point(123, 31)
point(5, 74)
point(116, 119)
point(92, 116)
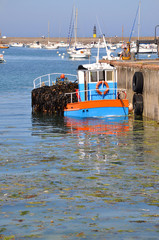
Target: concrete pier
point(150, 71)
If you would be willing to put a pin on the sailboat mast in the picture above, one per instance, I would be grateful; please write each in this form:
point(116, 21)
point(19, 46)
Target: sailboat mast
point(139, 20)
point(122, 35)
point(76, 12)
point(48, 31)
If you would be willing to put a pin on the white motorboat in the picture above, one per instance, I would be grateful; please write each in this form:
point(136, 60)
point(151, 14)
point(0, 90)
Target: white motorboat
point(14, 44)
point(50, 46)
point(80, 53)
point(144, 49)
point(62, 44)
point(35, 45)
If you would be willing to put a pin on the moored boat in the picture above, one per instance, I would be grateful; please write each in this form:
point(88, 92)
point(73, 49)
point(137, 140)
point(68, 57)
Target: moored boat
point(50, 46)
point(4, 46)
point(98, 95)
point(15, 44)
point(79, 53)
point(95, 94)
point(78, 50)
point(35, 45)
point(1, 58)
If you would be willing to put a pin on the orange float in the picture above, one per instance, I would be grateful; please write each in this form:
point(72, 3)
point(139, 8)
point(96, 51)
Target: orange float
point(62, 76)
point(97, 87)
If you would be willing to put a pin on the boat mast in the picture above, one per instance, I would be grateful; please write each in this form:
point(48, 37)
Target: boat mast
point(137, 12)
point(122, 36)
point(48, 31)
point(75, 26)
point(139, 20)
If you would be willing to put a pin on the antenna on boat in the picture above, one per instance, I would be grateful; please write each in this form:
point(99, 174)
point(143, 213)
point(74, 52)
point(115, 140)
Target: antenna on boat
point(97, 58)
point(106, 47)
point(107, 50)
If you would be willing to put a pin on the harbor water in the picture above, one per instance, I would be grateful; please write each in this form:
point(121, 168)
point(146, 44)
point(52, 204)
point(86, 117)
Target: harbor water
point(63, 178)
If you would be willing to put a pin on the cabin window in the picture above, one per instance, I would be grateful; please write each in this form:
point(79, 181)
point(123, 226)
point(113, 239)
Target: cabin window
point(93, 76)
point(101, 75)
point(109, 75)
point(96, 76)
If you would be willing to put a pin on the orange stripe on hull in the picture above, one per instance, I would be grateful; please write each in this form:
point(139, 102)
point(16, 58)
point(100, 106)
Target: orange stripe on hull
point(97, 104)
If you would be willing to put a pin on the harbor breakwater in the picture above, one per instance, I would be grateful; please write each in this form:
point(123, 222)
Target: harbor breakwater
point(150, 72)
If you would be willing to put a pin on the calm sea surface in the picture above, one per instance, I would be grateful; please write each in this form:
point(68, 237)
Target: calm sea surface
point(72, 179)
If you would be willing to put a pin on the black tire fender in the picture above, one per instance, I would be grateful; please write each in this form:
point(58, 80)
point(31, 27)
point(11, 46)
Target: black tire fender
point(138, 82)
point(138, 104)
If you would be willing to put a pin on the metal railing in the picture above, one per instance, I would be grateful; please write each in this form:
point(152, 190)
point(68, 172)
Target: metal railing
point(113, 91)
point(51, 79)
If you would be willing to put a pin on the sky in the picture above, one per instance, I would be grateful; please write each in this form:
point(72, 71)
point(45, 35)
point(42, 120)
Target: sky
point(30, 18)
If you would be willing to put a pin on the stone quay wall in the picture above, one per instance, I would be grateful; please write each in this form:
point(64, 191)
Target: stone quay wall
point(150, 71)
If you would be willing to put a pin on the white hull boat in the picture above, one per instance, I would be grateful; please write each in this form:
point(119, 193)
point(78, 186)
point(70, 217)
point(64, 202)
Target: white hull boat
point(16, 45)
point(79, 53)
point(35, 45)
point(51, 46)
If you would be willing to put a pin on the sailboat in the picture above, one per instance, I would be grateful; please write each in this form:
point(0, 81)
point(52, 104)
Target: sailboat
point(78, 50)
point(50, 45)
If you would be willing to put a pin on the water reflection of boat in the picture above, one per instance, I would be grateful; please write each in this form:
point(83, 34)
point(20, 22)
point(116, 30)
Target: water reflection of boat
point(55, 124)
point(110, 126)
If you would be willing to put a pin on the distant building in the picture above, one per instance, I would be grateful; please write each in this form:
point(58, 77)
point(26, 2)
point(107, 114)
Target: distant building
point(94, 32)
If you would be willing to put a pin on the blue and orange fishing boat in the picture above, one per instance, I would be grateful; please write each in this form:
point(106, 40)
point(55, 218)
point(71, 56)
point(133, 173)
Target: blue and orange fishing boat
point(98, 95)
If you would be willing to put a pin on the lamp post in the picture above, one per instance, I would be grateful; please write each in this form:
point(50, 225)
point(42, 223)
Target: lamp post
point(156, 40)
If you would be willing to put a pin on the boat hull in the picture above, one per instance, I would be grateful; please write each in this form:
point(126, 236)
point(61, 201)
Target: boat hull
point(98, 108)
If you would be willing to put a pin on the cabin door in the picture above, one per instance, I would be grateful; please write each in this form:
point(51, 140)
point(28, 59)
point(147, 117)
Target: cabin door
point(86, 85)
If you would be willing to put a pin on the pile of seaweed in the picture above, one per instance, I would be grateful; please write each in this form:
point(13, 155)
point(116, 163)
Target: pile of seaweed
point(52, 99)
